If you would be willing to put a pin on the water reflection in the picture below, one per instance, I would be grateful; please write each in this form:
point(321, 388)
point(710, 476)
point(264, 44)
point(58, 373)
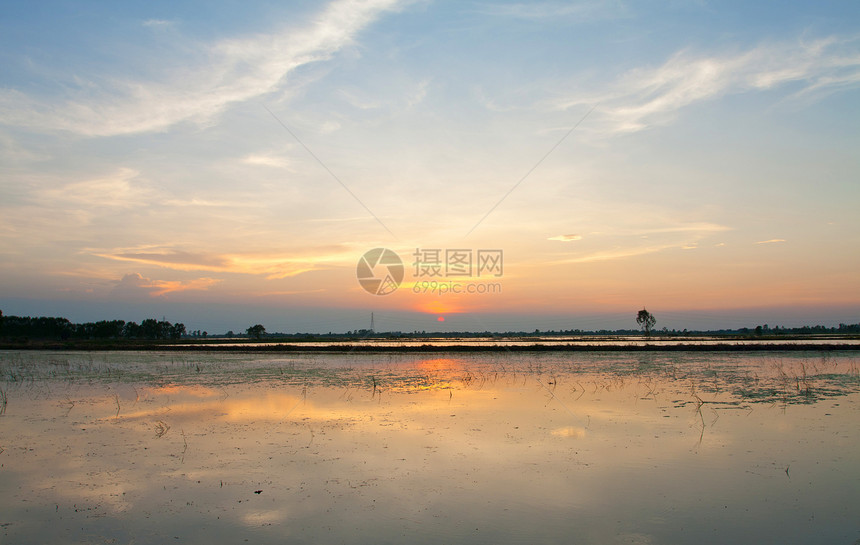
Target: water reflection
point(591, 448)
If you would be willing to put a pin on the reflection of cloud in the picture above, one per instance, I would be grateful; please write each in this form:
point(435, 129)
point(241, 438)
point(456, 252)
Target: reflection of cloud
point(225, 73)
point(771, 241)
point(569, 431)
point(135, 284)
point(259, 518)
point(195, 390)
point(271, 407)
point(566, 238)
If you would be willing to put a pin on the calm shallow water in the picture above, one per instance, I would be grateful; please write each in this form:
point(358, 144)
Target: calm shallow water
point(393, 448)
point(579, 340)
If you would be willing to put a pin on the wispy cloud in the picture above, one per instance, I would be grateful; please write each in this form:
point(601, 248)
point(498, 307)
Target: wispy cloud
point(615, 253)
point(116, 190)
point(647, 96)
point(632, 240)
point(158, 23)
point(771, 241)
point(272, 265)
point(11, 152)
point(135, 284)
point(356, 101)
point(690, 227)
point(419, 94)
point(541, 11)
point(566, 238)
point(228, 72)
point(267, 160)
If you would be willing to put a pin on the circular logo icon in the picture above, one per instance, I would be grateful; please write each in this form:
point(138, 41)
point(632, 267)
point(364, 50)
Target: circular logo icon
point(379, 271)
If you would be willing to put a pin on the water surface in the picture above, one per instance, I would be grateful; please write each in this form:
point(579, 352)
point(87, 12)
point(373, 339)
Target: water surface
point(392, 448)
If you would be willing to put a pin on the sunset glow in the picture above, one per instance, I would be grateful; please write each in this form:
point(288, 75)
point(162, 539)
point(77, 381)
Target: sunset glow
point(231, 167)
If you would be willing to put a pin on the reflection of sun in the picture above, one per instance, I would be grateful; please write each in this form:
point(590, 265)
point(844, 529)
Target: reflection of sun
point(195, 390)
point(434, 374)
point(440, 364)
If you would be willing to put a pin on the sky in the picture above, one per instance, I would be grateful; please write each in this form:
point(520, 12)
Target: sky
point(225, 164)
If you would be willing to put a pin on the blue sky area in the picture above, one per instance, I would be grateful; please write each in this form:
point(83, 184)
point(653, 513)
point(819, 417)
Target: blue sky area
point(230, 163)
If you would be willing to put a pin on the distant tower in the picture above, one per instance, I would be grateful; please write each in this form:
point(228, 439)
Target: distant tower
point(371, 322)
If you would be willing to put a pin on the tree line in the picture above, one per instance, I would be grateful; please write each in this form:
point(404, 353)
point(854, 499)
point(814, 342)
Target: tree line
point(45, 328)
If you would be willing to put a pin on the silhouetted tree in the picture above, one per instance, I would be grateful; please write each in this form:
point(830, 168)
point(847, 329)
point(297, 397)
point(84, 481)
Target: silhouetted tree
point(646, 321)
point(256, 331)
point(177, 331)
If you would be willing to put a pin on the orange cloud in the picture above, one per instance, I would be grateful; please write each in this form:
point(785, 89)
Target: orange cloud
point(137, 284)
point(274, 265)
point(439, 307)
point(566, 238)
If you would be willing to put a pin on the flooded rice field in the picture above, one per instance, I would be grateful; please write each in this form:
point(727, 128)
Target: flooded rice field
point(603, 448)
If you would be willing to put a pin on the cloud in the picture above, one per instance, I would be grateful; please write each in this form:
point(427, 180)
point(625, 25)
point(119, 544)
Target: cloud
point(273, 265)
point(329, 127)
point(418, 96)
point(619, 253)
point(227, 72)
point(694, 227)
point(11, 152)
point(290, 292)
point(135, 284)
point(632, 240)
point(117, 190)
point(771, 241)
point(566, 238)
point(209, 203)
point(540, 11)
point(647, 96)
point(267, 160)
point(357, 102)
point(158, 23)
